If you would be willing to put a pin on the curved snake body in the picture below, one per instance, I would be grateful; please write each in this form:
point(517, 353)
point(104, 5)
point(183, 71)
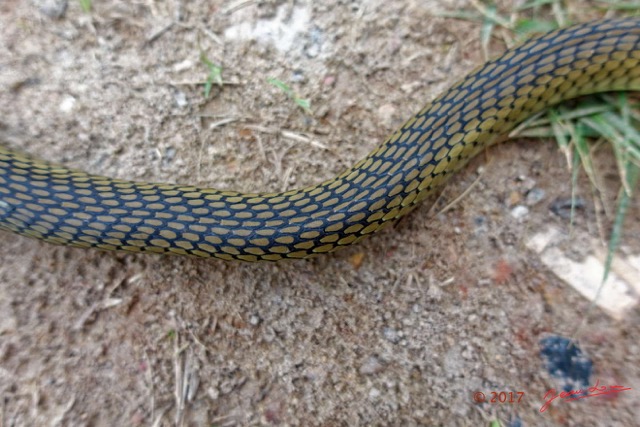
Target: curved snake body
point(70, 207)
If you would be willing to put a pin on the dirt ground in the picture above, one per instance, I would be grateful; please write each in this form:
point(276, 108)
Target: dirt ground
point(400, 330)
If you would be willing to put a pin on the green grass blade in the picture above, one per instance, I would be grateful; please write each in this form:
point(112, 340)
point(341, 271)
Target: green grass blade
point(632, 172)
point(214, 75)
point(305, 104)
point(486, 30)
point(632, 6)
point(85, 5)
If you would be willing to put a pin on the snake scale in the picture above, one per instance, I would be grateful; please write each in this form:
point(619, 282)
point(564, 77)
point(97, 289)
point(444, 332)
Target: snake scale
point(70, 207)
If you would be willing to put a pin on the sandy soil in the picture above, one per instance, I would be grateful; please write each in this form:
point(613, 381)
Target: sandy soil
point(400, 330)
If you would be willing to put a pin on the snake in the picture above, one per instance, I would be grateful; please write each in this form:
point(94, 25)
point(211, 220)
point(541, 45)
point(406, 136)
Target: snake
point(64, 206)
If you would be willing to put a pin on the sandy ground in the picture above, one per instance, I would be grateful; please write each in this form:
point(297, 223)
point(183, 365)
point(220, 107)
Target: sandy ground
point(400, 330)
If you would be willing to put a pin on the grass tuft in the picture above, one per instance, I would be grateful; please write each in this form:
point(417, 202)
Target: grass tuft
point(613, 118)
point(305, 104)
point(214, 75)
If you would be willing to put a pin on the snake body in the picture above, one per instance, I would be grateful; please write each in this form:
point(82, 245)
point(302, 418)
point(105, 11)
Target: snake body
point(70, 207)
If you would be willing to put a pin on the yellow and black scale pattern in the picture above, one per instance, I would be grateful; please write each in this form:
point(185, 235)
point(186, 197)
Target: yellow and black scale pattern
point(63, 206)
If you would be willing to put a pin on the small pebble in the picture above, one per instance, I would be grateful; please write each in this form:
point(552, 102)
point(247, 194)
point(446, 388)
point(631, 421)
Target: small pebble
point(480, 223)
point(519, 212)
point(181, 99)
point(170, 153)
point(187, 64)
point(68, 103)
point(562, 207)
point(314, 45)
point(52, 8)
point(213, 393)
point(535, 196)
point(329, 80)
point(514, 198)
point(386, 113)
point(391, 335)
point(298, 76)
point(371, 366)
